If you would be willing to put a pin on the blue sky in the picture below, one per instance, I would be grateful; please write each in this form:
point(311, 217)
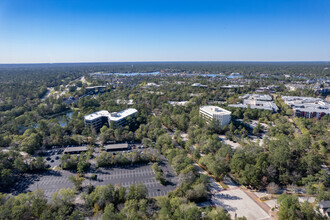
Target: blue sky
point(50, 31)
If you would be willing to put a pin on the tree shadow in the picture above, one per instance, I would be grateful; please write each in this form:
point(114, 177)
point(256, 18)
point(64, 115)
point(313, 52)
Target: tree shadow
point(226, 207)
point(227, 197)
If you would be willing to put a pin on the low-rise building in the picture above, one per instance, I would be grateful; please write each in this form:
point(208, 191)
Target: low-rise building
point(125, 102)
point(198, 85)
point(256, 101)
point(294, 87)
point(259, 97)
point(151, 84)
point(307, 107)
point(215, 114)
point(103, 117)
point(181, 103)
point(231, 86)
point(324, 207)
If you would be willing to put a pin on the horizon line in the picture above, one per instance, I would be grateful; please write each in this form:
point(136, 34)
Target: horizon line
point(183, 61)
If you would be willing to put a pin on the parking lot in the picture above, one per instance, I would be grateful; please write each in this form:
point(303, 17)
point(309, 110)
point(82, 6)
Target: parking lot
point(52, 181)
point(234, 200)
point(143, 173)
point(232, 144)
point(237, 203)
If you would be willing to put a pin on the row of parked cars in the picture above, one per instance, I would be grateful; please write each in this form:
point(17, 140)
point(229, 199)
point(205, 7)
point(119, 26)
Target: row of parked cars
point(136, 147)
point(50, 153)
point(53, 152)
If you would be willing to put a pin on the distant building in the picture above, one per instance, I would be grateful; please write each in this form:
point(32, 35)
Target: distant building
point(198, 85)
point(195, 94)
point(219, 116)
point(307, 107)
point(234, 75)
point(151, 84)
point(182, 103)
point(258, 97)
point(95, 89)
point(324, 90)
point(324, 208)
point(232, 86)
point(327, 99)
point(269, 88)
point(256, 101)
point(294, 87)
point(125, 102)
point(103, 117)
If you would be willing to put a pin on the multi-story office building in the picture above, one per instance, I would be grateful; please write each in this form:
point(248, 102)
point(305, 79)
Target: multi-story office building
point(97, 119)
point(307, 107)
point(120, 118)
point(214, 114)
point(103, 117)
point(256, 101)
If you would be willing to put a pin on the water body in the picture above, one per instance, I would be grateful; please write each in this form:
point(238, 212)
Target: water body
point(126, 74)
point(64, 119)
point(234, 76)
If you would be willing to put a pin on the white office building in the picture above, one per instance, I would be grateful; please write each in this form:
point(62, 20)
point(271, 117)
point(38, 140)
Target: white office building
point(219, 116)
point(307, 107)
point(256, 101)
point(103, 117)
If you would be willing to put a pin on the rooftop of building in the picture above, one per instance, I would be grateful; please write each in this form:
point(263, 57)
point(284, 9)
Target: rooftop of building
point(198, 85)
point(307, 104)
point(214, 110)
point(114, 116)
point(271, 106)
point(102, 113)
point(301, 99)
point(96, 87)
point(261, 97)
point(257, 101)
point(182, 103)
point(324, 204)
point(232, 86)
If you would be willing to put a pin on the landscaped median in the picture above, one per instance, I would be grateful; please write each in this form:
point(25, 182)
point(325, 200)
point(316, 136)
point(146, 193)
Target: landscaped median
point(222, 184)
point(159, 173)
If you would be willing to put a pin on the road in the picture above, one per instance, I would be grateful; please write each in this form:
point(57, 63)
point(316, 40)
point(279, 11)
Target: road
point(50, 89)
